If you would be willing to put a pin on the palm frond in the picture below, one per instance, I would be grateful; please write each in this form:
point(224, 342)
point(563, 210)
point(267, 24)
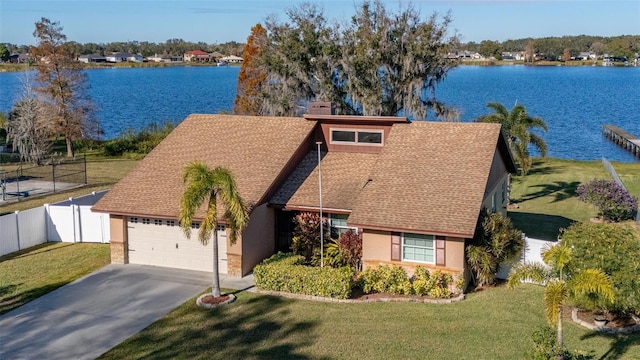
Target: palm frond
point(555, 296)
point(198, 188)
point(540, 144)
point(593, 281)
point(557, 256)
point(536, 122)
point(210, 221)
point(236, 213)
point(528, 271)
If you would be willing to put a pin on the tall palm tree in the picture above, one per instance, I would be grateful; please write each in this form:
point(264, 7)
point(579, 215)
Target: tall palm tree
point(517, 126)
point(206, 185)
point(562, 284)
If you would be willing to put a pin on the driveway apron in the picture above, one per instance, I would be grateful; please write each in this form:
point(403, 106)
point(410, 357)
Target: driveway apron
point(89, 316)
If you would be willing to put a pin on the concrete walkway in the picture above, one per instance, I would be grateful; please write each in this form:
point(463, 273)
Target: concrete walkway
point(89, 316)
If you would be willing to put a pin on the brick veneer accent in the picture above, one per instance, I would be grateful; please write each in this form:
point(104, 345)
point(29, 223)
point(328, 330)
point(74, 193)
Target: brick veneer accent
point(234, 265)
point(119, 254)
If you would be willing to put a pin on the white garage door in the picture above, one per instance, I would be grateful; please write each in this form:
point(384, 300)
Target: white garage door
point(161, 242)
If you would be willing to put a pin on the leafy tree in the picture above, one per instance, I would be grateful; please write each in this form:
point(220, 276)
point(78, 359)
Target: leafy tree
point(4, 53)
point(517, 126)
point(28, 125)
point(611, 248)
point(561, 285)
point(204, 185)
point(380, 63)
point(65, 85)
point(496, 241)
point(251, 79)
point(490, 48)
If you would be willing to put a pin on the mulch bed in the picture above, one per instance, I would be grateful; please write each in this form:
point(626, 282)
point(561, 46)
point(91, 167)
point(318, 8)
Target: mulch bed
point(613, 320)
point(209, 299)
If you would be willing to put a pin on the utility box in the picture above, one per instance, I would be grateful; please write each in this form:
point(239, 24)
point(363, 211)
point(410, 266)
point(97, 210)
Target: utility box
point(321, 108)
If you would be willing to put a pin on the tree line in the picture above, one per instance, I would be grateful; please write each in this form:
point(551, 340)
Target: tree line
point(555, 47)
point(144, 48)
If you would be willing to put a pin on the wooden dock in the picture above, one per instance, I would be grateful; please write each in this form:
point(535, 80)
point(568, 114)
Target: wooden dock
point(626, 140)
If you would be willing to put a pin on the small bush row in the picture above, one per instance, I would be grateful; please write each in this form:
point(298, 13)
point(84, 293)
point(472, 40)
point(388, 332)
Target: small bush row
point(142, 142)
point(394, 280)
point(286, 272)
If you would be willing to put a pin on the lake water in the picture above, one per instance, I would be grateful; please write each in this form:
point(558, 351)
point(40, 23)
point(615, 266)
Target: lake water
point(574, 101)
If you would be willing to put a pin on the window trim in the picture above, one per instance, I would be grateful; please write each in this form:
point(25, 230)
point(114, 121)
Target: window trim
point(346, 227)
point(433, 247)
point(356, 142)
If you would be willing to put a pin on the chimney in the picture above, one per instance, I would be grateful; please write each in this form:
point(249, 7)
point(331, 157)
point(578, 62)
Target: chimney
point(321, 108)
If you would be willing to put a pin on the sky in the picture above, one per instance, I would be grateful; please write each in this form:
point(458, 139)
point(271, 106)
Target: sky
point(213, 22)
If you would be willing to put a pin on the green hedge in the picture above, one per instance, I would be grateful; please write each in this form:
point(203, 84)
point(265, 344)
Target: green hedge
point(394, 280)
point(286, 272)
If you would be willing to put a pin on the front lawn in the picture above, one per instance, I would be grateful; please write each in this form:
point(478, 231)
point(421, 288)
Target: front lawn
point(33, 272)
point(496, 323)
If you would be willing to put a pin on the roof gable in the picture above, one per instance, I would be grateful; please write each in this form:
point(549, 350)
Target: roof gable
point(255, 149)
point(429, 177)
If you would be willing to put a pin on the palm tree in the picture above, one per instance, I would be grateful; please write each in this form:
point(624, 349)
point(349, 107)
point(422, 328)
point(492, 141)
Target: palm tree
point(561, 284)
point(516, 126)
point(206, 185)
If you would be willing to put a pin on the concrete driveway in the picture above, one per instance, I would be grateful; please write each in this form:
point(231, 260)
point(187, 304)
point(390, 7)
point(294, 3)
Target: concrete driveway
point(91, 315)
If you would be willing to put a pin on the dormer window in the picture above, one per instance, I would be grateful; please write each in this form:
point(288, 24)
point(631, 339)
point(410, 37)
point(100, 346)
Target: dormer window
point(356, 137)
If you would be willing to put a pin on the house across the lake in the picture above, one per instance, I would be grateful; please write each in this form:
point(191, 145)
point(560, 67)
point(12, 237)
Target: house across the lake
point(414, 190)
point(123, 57)
point(91, 58)
point(197, 56)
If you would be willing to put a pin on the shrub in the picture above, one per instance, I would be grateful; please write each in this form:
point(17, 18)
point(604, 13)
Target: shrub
point(386, 279)
point(286, 272)
point(545, 347)
point(350, 244)
point(613, 201)
point(345, 251)
point(394, 280)
point(142, 142)
point(496, 241)
point(613, 248)
point(306, 234)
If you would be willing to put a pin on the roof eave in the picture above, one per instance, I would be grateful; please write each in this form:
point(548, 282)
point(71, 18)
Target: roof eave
point(419, 231)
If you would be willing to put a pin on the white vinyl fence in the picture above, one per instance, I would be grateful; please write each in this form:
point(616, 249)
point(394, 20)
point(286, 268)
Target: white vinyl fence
point(68, 221)
point(532, 253)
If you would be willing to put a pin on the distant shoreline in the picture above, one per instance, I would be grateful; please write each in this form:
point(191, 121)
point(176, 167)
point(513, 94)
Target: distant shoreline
point(128, 65)
point(120, 65)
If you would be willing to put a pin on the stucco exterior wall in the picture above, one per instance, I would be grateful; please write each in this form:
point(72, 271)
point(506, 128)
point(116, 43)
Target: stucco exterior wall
point(118, 241)
point(498, 177)
point(376, 250)
point(258, 239)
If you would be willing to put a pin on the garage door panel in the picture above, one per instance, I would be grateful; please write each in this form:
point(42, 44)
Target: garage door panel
point(157, 243)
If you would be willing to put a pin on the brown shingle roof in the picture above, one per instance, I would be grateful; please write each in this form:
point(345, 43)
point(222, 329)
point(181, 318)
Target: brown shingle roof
point(255, 149)
point(429, 177)
point(343, 177)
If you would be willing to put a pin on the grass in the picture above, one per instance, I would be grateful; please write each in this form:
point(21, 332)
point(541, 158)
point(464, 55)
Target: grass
point(102, 173)
point(630, 175)
point(547, 197)
point(33, 272)
point(496, 323)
